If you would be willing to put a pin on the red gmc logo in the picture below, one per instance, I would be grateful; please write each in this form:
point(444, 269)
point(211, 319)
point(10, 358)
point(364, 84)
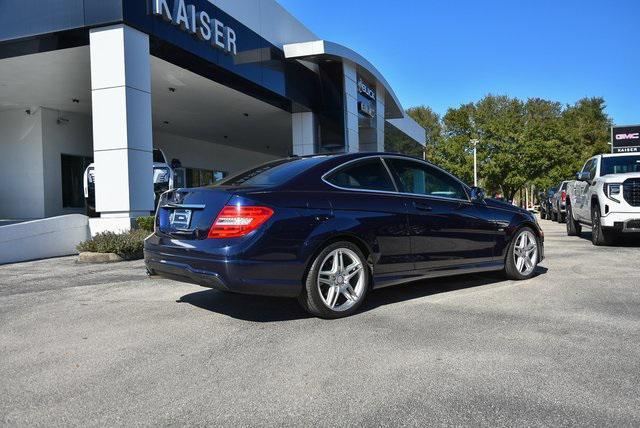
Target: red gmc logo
point(632, 136)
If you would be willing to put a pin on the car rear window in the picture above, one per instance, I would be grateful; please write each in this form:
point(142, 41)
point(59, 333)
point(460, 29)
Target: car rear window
point(272, 173)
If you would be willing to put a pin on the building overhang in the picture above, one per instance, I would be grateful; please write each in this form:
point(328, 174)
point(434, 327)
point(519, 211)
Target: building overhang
point(322, 49)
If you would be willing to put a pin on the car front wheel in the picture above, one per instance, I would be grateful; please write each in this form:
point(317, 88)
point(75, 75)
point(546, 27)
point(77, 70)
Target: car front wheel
point(337, 281)
point(523, 255)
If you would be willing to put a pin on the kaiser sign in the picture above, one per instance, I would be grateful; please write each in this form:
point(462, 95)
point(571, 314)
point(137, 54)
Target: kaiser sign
point(625, 139)
point(196, 22)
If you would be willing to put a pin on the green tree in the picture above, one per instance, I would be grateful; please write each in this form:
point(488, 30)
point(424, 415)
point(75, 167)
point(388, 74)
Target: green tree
point(537, 142)
point(586, 132)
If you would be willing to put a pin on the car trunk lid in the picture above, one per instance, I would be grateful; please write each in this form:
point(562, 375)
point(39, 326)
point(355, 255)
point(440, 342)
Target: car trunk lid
point(188, 214)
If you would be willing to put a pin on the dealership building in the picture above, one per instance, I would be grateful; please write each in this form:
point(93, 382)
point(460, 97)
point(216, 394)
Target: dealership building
point(218, 86)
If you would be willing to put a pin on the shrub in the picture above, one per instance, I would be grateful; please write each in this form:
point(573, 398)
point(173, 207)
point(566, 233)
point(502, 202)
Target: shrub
point(127, 245)
point(146, 223)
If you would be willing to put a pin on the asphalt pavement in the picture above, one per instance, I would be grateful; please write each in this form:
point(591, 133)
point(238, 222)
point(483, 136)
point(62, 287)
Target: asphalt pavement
point(104, 345)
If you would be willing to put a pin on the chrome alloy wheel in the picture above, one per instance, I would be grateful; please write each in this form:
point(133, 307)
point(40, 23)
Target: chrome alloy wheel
point(525, 253)
point(341, 280)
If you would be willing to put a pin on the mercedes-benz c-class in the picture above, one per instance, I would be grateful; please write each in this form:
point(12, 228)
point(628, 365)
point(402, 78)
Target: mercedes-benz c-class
point(330, 229)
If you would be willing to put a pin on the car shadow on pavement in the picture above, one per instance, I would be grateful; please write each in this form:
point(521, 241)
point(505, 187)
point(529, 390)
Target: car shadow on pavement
point(273, 309)
point(626, 241)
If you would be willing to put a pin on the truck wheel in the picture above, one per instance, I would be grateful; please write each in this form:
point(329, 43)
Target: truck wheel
point(573, 227)
point(91, 212)
point(559, 216)
point(599, 235)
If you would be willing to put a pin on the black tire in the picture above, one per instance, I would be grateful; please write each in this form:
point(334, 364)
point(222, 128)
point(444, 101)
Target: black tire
point(310, 298)
point(573, 227)
point(91, 212)
point(510, 269)
point(559, 216)
point(543, 215)
point(600, 236)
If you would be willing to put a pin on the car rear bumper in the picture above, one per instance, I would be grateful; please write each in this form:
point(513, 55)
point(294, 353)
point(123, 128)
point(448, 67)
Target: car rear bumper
point(265, 278)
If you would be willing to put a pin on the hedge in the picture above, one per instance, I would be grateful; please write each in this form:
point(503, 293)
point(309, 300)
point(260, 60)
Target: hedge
point(127, 245)
point(146, 223)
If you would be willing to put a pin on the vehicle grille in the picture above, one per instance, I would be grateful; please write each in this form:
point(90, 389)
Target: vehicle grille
point(631, 191)
point(633, 224)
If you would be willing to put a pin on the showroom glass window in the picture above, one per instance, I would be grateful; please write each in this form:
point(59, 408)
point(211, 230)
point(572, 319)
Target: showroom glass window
point(422, 179)
point(72, 168)
point(368, 174)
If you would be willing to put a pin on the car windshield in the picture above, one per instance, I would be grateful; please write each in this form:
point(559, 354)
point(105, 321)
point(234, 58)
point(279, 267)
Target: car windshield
point(272, 173)
point(620, 165)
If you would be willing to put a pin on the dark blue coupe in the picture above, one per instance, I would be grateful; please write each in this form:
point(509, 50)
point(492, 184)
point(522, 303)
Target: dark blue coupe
point(328, 229)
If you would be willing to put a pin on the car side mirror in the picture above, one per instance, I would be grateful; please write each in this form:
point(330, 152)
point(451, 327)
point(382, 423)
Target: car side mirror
point(477, 194)
point(583, 176)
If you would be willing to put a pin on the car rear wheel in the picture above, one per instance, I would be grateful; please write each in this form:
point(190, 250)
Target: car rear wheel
point(337, 281)
point(599, 235)
point(523, 255)
point(573, 227)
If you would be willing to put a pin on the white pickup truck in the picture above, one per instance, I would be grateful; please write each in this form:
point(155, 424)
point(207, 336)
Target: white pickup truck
point(163, 177)
point(605, 196)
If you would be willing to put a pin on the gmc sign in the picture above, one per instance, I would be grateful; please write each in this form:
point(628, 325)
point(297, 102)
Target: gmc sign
point(625, 139)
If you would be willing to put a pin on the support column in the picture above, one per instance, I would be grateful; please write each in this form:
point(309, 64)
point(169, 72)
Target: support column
point(351, 130)
point(305, 132)
point(122, 127)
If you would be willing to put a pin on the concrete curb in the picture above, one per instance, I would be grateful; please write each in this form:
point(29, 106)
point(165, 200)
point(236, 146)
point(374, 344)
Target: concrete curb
point(87, 257)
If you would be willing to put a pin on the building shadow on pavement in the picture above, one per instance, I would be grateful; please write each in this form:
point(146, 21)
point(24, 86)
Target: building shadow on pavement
point(273, 309)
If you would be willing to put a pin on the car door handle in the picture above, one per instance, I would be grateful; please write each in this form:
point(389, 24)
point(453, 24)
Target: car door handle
point(422, 207)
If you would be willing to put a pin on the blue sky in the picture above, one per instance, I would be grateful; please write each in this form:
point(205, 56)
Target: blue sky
point(448, 52)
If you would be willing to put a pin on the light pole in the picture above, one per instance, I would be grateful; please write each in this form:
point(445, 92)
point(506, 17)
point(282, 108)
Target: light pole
point(475, 161)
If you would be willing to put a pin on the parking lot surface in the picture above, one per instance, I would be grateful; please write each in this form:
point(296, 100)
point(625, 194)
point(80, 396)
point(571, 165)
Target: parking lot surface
point(104, 345)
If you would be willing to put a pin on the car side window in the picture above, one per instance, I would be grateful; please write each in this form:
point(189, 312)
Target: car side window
point(592, 169)
point(422, 179)
point(369, 174)
point(587, 166)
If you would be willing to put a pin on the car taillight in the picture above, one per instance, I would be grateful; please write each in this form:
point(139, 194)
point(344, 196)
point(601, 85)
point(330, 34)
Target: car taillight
point(564, 196)
point(236, 221)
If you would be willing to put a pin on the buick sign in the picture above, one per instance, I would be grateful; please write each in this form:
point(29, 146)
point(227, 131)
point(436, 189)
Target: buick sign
point(625, 139)
point(366, 90)
point(366, 109)
point(196, 22)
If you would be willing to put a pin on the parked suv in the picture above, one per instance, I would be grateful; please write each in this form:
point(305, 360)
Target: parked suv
point(606, 196)
point(558, 203)
point(163, 176)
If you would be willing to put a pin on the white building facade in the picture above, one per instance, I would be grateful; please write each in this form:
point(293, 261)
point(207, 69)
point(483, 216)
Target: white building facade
point(217, 85)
